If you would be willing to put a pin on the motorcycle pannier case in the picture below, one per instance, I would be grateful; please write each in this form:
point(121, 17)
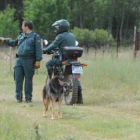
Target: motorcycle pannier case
point(72, 52)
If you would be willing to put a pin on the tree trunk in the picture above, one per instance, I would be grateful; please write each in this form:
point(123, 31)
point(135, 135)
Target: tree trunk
point(113, 2)
point(122, 21)
point(3, 4)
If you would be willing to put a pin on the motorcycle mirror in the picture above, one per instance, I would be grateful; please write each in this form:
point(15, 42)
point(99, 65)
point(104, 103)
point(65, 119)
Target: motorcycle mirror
point(77, 43)
point(45, 42)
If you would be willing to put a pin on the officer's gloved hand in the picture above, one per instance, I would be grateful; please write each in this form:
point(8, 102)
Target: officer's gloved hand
point(48, 53)
point(2, 39)
point(37, 65)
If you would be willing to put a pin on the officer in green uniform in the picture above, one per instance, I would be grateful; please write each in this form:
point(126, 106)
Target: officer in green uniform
point(28, 57)
point(63, 38)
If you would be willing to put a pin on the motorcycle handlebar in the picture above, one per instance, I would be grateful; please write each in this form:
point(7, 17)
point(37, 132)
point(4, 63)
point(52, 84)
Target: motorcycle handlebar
point(51, 52)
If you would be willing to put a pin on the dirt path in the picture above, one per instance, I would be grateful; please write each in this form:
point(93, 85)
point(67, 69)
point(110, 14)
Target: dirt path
point(83, 121)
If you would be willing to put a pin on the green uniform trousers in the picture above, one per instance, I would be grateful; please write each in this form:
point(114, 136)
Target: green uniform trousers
point(53, 62)
point(24, 70)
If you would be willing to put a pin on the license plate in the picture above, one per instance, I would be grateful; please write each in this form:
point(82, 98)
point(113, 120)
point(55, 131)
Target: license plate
point(77, 69)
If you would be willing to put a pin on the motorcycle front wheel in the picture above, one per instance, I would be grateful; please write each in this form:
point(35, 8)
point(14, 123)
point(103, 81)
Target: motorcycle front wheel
point(71, 93)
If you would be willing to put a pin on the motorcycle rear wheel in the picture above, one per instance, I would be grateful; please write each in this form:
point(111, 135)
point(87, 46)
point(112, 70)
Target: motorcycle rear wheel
point(71, 95)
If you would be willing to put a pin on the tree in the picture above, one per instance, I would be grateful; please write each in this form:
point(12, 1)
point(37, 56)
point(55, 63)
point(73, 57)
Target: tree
point(44, 13)
point(3, 4)
point(8, 26)
point(17, 5)
point(82, 13)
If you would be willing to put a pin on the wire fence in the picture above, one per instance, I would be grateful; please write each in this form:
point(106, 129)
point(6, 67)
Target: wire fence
point(128, 41)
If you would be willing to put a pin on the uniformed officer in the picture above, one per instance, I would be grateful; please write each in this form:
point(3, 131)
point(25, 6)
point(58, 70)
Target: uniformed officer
point(63, 38)
point(28, 57)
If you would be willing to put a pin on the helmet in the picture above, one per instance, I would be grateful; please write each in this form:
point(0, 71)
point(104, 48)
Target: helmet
point(61, 26)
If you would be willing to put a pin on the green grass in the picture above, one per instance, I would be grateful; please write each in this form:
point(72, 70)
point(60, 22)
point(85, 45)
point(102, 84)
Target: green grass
point(111, 92)
point(13, 128)
point(112, 78)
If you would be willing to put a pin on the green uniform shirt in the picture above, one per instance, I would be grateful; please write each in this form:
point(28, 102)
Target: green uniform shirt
point(62, 40)
point(28, 45)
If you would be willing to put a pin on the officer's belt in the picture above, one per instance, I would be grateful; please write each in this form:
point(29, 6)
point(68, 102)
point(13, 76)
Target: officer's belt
point(23, 56)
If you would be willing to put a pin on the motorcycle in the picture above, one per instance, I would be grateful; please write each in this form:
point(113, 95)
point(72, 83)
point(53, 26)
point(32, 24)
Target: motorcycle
point(71, 69)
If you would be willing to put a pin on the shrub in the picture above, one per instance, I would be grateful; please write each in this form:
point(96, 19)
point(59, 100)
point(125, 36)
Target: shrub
point(95, 39)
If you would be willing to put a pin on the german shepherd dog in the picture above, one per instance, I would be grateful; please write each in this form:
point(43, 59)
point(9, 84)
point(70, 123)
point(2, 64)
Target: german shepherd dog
point(52, 93)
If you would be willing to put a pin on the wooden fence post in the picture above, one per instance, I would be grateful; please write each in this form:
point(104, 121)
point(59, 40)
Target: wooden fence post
point(134, 46)
point(136, 42)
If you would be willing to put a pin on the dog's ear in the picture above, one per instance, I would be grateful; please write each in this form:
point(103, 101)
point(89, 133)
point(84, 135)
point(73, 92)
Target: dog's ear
point(53, 76)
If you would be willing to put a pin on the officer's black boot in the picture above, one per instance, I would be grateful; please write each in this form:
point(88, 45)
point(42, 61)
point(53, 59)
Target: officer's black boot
point(19, 98)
